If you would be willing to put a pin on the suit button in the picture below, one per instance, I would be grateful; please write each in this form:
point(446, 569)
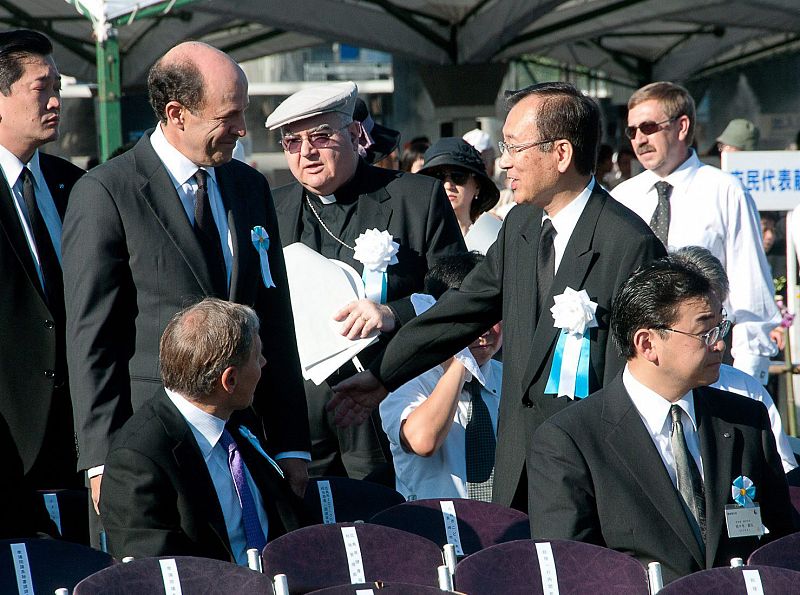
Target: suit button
point(49, 374)
point(49, 324)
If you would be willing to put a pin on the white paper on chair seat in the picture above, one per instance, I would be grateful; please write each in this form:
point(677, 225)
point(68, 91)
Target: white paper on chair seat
point(547, 568)
point(451, 525)
point(23, 569)
point(365, 592)
point(353, 551)
point(51, 504)
point(483, 233)
point(326, 502)
point(318, 288)
point(752, 581)
point(169, 573)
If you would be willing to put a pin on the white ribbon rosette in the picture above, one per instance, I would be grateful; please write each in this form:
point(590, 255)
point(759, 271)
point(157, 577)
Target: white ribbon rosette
point(574, 314)
point(376, 251)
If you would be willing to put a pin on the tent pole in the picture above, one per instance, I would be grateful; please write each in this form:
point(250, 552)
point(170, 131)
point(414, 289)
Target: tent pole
point(108, 95)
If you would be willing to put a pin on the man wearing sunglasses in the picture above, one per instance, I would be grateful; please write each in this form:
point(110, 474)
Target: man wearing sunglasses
point(647, 465)
point(689, 203)
point(336, 197)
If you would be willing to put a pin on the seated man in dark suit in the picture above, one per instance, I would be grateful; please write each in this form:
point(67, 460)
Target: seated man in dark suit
point(648, 464)
point(187, 474)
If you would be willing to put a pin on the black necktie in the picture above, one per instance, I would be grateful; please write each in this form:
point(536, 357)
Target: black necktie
point(690, 484)
point(208, 235)
point(479, 445)
point(48, 261)
point(546, 265)
point(659, 222)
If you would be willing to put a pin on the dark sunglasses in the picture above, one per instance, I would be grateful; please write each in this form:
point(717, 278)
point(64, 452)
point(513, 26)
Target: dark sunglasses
point(648, 127)
point(458, 177)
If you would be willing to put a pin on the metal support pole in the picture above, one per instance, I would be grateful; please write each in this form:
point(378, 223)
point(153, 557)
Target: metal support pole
point(109, 90)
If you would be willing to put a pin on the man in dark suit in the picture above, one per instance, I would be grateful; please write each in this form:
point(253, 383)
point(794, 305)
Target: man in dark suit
point(162, 225)
point(646, 465)
point(185, 475)
point(551, 134)
point(34, 392)
point(337, 197)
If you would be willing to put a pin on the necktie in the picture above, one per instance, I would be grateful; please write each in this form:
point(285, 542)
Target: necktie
point(546, 265)
point(208, 235)
point(690, 484)
point(480, 443)
point(48, 261)
point(659, 223)
point(253, 532)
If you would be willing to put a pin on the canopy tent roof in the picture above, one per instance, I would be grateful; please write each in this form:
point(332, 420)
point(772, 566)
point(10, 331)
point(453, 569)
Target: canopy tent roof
point(632, 41)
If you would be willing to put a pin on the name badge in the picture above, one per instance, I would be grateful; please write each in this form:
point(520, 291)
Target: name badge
point(743, 521)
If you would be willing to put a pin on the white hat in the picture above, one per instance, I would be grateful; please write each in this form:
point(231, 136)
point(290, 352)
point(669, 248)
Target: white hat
point(478, 139)
point(312, 101)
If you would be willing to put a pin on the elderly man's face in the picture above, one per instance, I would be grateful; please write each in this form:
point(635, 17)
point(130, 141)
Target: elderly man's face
point(665, 149)
point(323, 168)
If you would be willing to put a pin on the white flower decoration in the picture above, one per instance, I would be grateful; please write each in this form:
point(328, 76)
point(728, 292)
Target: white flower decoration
point(376, 250)
point(574, 311)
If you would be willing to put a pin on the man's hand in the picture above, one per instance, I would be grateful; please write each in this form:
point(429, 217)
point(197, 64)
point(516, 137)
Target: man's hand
point(363, 317)
point(296, 473)
point(94, 484)
point(355, 398)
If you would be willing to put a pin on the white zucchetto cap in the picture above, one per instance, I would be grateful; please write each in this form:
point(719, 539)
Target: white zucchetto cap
point(313, 101)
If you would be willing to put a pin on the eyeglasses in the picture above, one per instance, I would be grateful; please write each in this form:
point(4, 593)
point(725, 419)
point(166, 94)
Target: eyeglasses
point(648, 127)
point(520, 147)
point(710, 337)
point(457, 176)
point(318, 140)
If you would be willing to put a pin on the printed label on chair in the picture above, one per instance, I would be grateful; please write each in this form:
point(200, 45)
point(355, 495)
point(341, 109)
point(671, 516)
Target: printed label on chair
point(752, 581)
point(23, 569)
point(51, 504)
point(365, 592)
point(169, 572)
point(326, 502)
point(547, 568)
point(353, 550)
point(451, 525)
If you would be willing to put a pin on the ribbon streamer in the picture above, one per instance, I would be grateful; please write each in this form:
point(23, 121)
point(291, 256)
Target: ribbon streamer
point(260, 240)
point(375, 285)
point(743, 491)
point(253, 440)
point(569, 374)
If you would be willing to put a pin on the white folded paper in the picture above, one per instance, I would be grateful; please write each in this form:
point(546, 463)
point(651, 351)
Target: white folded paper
point(483, 233)
point(318, 288)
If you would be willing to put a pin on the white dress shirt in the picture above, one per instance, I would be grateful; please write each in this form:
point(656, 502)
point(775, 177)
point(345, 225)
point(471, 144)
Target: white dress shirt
point(12, 170)
point(444, 473)
point(709, 208)
point(566, 219)
point(181, 171)
point(654, 411)
point(736, 381)
point(207, 430)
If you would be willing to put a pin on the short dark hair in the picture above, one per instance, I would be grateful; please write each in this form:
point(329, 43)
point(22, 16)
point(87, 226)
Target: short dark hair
point(175, 80)
point(707, 265)
point(565, 113)
point(651, 298)
point(201, 341)
point(450, 271)
point(15, 46)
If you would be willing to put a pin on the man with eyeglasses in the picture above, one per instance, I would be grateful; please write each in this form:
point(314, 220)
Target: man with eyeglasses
point(336, 197)
point(655, 462)
point(162, 225)
point(689, 203)
point(565, 233)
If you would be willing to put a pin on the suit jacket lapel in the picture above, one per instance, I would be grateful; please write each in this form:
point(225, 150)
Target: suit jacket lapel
point(716, 449)
point(631, 443)
point(58, 189)
point(160, 195)
point(289, 209)
point(372, 212)
point(193, 468)
point(238, 219)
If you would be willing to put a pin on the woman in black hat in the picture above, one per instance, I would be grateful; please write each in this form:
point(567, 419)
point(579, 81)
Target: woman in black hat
point(460, 167)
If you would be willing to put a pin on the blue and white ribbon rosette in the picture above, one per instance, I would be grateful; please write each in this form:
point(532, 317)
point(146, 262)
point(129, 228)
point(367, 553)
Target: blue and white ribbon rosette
point(574, 314)
point(260, 239)
point(743, 491)
point(253, 440)
point(376, 251)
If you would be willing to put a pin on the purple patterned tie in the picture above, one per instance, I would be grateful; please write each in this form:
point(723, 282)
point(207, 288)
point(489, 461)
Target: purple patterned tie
point(253, 532)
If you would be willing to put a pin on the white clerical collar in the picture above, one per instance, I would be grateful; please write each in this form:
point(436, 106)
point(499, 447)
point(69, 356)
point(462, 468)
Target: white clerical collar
point(179, 166)
point(652, 407)
point(567, 218)
point(207, 428)
point(327, 199)
point(12, 167)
